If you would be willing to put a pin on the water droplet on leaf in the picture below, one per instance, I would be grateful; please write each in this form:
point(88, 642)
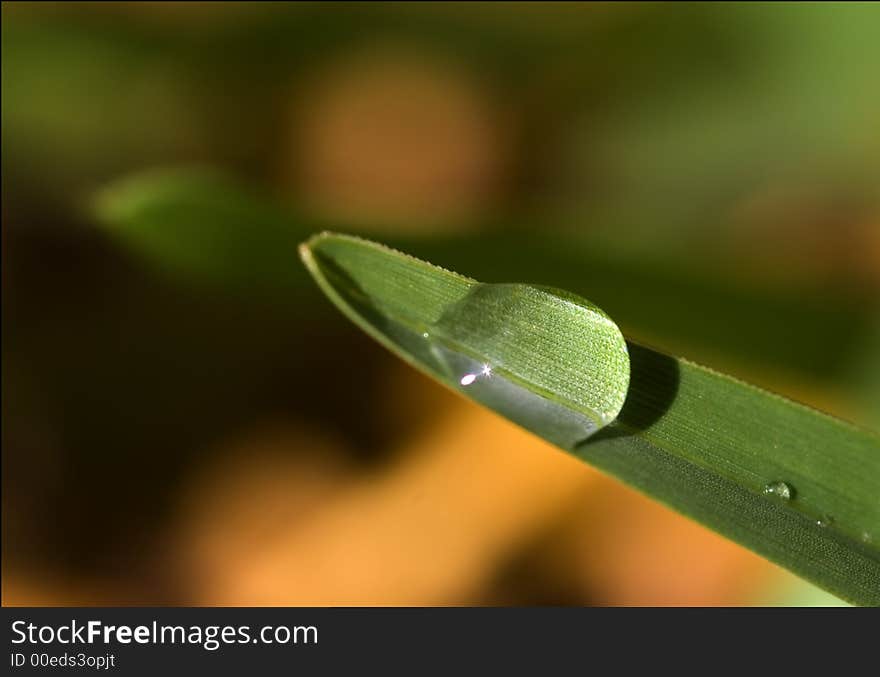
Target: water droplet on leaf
point(546, 359)
point(780, 489)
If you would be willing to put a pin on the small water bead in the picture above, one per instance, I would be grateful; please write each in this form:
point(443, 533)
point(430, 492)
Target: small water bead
point(824, 521)
point(866, 537)
point(779, 489)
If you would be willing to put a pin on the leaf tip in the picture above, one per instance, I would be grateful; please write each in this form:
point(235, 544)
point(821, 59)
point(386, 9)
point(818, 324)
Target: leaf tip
point(306, 248)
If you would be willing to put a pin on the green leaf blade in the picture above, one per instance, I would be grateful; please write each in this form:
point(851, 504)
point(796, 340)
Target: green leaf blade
point(710, 446)
point(513, 347)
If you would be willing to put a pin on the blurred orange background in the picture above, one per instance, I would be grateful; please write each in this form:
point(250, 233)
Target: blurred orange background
point(167, 442)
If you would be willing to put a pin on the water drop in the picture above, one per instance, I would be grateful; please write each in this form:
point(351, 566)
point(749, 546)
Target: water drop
point(490, 323)
point(866, 537)
point(779, 489)
point(824, 521)
point(467, 379)
point(425, 334)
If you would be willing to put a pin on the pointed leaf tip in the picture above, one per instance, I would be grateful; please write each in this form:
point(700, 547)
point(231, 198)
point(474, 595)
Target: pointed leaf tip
point(548, 360)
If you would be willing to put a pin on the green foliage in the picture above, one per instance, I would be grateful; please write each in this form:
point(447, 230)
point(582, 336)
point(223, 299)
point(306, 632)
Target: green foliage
point(200, 224)
point(793, 484)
